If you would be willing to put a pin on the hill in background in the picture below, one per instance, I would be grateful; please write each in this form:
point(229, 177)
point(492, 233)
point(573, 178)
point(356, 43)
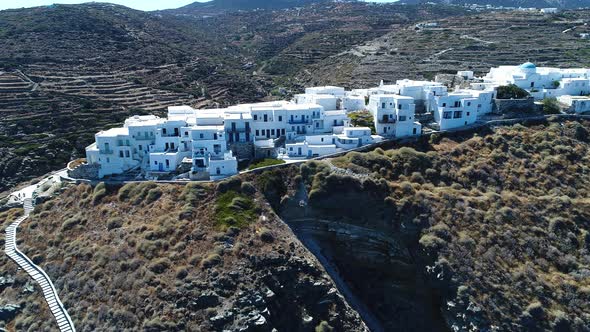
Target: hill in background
point(513, 3)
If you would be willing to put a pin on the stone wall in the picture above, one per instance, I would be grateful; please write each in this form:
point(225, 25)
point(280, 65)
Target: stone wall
point(242, 150)
point(261, 153)
point(502, 106)
point(84, 171)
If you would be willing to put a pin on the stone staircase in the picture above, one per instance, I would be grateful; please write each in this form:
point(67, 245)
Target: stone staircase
point(58, 310)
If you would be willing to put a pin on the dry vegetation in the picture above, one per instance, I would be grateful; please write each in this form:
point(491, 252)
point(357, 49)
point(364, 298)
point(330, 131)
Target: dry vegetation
point(499, 224)
point(154, 257)
point(17, 288)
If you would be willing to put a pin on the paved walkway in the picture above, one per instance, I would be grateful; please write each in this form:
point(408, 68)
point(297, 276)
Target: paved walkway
point(64, 322)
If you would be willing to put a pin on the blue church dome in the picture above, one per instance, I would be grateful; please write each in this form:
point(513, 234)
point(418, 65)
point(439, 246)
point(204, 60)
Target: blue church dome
point(528, 65)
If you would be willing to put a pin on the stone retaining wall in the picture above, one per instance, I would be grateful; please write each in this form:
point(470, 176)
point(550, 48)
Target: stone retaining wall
point(84, 171)
point(502, 106)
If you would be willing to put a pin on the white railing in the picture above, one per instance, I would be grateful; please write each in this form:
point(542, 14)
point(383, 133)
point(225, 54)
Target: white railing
point(57, 308)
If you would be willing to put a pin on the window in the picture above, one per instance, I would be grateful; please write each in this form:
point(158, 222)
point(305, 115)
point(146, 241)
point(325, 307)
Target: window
point(272, 132)
point(164, 131)
point(201, 135)
point(167, 163)
point(172, 146)
point(322, 139)
point(280, 118)
point(127, 154)
point(108, 160)
point(458, 115)
point(468, 103)
point(282, 131)
point(257, 132)
point(402, 118)
point(468, 113)
point(447, 115)
point(156, 163)
point(382, 105)
point(444, 105)
point(121, 154)
point(263, 132)
point(186, 133)
point(255, 117)
point(399, 106)
point(140, 148)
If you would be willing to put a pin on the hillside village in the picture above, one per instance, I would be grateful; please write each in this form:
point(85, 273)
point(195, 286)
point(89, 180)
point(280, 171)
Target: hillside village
point(207, 144)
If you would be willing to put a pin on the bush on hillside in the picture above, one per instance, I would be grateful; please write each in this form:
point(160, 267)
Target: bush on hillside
point(511, 91)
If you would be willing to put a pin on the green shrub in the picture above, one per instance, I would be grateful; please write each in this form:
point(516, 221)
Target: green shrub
point(113, 223)
point(230, 184)
point(234, 209)
point(211, 260)
point(125, 191)
point(273, 187)
point(181, 273)
point(265, 163)
point(511, 91)
point(551, 106)
point(431, 242)
point(72, 222)
point(324, 327)
point(248, 188)
point(153, 195)
point(160, 265)
point(100, 191)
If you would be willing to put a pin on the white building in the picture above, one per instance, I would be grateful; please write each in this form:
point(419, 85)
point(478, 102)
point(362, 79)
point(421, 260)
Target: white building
point(576, 104)
point(394, 115)
point(549, 10)
point(423, 92)
point(485, 99)
point(542, 82)
point(321, 145)
point(456, 110)
point(331, 98)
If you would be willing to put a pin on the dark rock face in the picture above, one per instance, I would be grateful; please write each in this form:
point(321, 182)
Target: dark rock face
point(381, 271)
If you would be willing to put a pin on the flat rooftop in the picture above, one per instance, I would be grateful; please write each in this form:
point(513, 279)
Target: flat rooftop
point(114, 132)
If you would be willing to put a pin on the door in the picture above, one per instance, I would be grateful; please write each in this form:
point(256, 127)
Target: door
point(299, 151)
point(218, 171)
point(308, 153)
point(161, 167)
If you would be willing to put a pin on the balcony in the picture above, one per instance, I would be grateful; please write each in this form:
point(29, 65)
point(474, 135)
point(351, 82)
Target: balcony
point(239, 130)
point(386, 121)
point(298, 122)
point(106, 151)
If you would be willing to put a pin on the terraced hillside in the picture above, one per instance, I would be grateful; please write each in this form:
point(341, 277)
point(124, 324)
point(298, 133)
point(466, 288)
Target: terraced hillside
point(72, 70)
point(474, 42)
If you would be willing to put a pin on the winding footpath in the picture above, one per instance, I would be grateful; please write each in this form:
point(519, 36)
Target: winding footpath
point(57, 308)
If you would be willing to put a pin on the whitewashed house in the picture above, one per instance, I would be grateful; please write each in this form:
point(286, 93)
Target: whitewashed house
point(576, 104)
point(394, 115)
point(456, 110)
point(321, 145)
point(485, 99)
point(331, 98)
point(542, 82)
